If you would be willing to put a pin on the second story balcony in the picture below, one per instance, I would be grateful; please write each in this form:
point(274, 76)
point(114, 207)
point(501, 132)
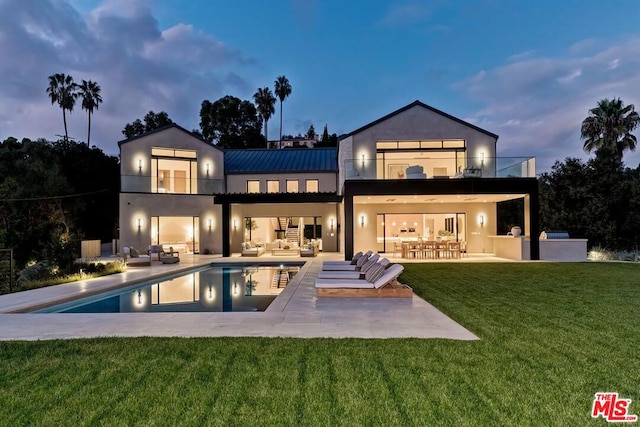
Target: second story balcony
point(424, 167)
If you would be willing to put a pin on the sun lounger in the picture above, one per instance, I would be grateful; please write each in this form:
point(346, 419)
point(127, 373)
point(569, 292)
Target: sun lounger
point(385, 286)
point(343, 274)
point(350, 267)
point(353, 261)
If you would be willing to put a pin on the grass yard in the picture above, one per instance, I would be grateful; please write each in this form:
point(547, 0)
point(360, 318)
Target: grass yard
point(551, 336)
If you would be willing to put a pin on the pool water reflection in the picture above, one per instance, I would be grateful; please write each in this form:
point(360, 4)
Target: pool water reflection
point(214, 289)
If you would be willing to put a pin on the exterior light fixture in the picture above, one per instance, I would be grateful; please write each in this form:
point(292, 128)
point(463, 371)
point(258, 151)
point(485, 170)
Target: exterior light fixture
point(139, 297)
point(210, 224)
point(361, 220)
point(362, 159)
point(140, 165)
point(331, 224)
point(235, 225)
point(235, 288)
point(207, 169)
point(210, 292)
point(139, 223)
point(481, 220)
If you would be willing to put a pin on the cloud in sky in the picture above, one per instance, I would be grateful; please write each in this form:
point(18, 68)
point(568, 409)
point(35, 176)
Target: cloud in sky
point(120, 46)
point(537, 104)
point(535, 99)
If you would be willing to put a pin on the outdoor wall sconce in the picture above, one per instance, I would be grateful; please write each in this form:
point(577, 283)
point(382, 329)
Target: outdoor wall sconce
point(363, 160)
point(139, 297)
point(235, 288)
point(481, 220)
point(207, 169)
point(210, 224)
point(210, 292)
point(139, 223)
point(331, 224)
point(139, 165)
point(235, 225)
point(361, 220)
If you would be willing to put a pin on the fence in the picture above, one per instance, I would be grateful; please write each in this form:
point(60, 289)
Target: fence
point(7, 271)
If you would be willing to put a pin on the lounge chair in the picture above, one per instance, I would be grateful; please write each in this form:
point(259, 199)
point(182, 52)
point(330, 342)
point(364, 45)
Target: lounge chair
point(343, 274)
point(353, 260)
point(169, 258)
point(351, 267)
point(384, 286)
point(134, 259)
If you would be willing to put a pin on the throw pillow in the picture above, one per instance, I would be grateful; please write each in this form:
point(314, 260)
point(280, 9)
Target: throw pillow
point(134, 253)
point(373, 273)
point(252, 244)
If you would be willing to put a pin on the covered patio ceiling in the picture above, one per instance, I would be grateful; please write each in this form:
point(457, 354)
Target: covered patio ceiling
point(435, 198)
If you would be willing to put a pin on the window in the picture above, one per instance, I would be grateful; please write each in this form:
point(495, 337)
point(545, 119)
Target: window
point(311, 186)
point(292, 186)
point(173, 171)
point(253, 186)
point(273, 186)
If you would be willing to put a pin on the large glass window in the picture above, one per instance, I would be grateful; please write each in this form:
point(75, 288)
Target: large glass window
point(292, 186)
point(393, 228)
point(311, 186)
point(173, 171)
point(253, 186)
point(439, 158)
point(273, 186)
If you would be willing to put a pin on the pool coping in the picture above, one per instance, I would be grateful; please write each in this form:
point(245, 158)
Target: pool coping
point(296, 312)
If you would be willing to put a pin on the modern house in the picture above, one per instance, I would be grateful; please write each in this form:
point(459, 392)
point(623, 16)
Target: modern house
point(416, 173)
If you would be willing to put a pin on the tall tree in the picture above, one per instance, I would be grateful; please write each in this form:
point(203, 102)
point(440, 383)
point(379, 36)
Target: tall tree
point(231, 123)
point(311, 132)
point(607, 130)
point(265, 104)
point(63, 91)
point(151, 121)
point(282, 90)
point(91, 98)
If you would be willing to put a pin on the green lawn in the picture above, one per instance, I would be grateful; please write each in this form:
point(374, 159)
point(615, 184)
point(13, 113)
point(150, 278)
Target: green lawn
point(551, 336)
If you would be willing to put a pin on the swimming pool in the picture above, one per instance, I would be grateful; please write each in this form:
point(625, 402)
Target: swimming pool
point(216, 288)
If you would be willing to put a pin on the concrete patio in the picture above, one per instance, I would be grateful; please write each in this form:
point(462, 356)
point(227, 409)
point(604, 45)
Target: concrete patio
point(296, 312)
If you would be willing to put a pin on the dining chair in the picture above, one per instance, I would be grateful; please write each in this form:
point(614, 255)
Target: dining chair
point(454, 249)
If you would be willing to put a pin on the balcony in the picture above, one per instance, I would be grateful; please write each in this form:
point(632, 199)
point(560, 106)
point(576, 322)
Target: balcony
point(147, 184)
point(439, 168)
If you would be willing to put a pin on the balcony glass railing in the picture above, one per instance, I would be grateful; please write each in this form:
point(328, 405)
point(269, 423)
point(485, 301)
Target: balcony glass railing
point(440, 167)
point(151, 184)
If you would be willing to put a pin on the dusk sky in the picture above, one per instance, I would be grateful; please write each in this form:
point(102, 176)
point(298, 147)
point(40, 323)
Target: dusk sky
point(527, 71)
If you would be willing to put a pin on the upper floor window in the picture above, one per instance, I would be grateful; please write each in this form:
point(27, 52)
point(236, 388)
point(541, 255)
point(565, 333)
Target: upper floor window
point(292, 186)
point(311, 186)
point(253, 186)
point(273, 186)
point(174, 171)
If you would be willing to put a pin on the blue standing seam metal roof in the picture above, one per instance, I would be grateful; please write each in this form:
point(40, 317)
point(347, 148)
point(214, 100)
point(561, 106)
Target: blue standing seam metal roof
point(283, 160)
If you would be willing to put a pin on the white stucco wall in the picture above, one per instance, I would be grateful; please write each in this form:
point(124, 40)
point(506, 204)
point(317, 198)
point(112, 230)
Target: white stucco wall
point(418, 124)
point(136, 179)
point(144, 206)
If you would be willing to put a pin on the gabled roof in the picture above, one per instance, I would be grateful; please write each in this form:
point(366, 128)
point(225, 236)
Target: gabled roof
point(163, 128)
point(423, 105)
point(280, 161)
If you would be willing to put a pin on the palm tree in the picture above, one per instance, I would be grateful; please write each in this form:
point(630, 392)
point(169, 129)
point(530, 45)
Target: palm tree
point(62, 90)
point(265, 105)
point(608, 128)
point(282, 90)
point(90, 93)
